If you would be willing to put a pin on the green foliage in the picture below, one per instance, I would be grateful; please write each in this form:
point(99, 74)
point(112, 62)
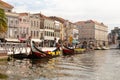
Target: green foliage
point(3, 21)
point(3, 76)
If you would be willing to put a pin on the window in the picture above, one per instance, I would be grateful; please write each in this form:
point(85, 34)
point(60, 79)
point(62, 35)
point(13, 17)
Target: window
point(31, 33)
point(16, 22)
point(31, 23)
point(34, 23)
point(37, 34)
point(11, 21)
point(34, 33)
point(37, 24)
point(24, 20)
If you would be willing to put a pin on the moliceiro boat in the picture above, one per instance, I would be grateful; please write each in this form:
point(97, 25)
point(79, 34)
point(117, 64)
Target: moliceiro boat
point(43, 52)
point(67, 50)
point(70, 51)
point(79, 50)
point(16, 50)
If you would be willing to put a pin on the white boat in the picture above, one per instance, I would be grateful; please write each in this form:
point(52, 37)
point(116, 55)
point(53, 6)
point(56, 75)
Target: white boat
point(24, 50)
point(105, 48)
point(98, 48)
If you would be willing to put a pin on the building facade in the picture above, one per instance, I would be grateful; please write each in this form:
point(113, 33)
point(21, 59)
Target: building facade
point(68, 30)
point(12, 20)
point(24, 25)
point(75, 33)
point(115, 35)
point(59, 26)
point(29, 25)
point(34, 26)
point(93, 31)
point(47, 29)
point(13, 24)
point(7, 7)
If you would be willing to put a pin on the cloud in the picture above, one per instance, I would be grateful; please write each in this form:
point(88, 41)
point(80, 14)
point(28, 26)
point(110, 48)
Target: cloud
point(106, 11)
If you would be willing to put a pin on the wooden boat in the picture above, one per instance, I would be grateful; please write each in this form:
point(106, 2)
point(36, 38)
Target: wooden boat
point(14, 50)
point(104, 48)
point(19, 56)
point(98, 48)
point(19, 53)
point(67, 50)
point(44, 52)
point(79, 50)
point(70, 51)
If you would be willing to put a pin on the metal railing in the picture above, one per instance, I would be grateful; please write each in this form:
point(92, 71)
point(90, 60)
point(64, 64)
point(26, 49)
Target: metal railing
point(12, 47)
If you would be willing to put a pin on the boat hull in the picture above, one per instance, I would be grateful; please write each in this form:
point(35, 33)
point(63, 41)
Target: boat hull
point(19, 56)
point(37, 53)
point(79, 50)
point(47, 54)
point(67, 51)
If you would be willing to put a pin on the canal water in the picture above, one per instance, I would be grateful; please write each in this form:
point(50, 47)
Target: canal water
point(93, 65)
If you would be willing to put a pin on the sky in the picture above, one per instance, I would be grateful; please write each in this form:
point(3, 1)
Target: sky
point(106, 11)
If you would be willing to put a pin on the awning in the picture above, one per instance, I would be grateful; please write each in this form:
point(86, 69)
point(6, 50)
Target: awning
point(22, 39)
point(12, 40)
point(36, 40)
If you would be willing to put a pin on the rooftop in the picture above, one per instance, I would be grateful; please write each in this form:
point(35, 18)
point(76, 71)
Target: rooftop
point(58, 19)
point(90, 21)
point(4, 4)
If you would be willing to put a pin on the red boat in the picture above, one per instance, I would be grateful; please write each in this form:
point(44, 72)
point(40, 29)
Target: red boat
point(46, 52)
point(67, 51)
point(70, 51)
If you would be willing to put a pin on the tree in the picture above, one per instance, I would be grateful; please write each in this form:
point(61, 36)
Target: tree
point(3, 22)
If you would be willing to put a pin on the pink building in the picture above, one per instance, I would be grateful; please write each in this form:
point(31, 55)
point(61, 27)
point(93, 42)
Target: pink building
point(24, 25)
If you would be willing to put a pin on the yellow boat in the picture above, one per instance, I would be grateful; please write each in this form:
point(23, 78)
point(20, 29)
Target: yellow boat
point(79, 50)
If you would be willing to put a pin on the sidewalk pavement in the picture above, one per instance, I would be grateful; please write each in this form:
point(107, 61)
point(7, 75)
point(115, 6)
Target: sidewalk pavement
point(3, 56)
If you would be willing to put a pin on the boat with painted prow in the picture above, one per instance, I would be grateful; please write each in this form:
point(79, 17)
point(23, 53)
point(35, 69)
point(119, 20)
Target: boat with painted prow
point(43, 52)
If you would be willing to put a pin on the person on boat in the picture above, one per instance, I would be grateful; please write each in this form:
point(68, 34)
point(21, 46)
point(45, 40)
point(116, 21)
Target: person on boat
point(60, 42)
point(65, 44)
point(58, 46)
point(79, 45)
point(84, 45)
point(54, 42)
point(91, 45)
point(33, 43)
